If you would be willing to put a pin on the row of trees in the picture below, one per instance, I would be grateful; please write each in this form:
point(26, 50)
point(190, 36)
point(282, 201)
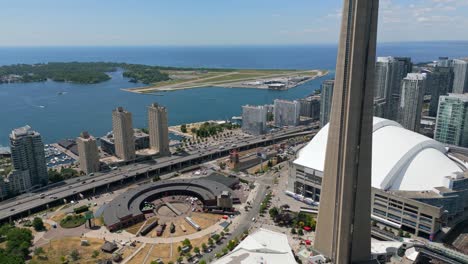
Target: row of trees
point(63, 174)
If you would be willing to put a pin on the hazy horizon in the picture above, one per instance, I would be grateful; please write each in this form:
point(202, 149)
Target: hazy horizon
point(219, 23)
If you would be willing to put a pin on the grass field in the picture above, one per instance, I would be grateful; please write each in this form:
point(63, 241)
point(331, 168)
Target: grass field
point(56, 250)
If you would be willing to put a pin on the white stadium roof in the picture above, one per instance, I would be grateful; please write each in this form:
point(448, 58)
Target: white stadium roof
point(401, 159)
point(263, 246)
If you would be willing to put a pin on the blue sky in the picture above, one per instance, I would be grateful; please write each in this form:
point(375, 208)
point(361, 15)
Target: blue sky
point(217, 22)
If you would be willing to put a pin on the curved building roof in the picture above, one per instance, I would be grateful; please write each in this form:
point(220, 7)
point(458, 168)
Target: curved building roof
point(401, 159)
point(129, 202)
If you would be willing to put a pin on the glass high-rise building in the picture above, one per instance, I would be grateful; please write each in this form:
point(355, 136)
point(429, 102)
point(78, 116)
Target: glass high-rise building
point(452, 120)
point(411, 100)
point(326, 101)
point(254, 119)
point(439, 82)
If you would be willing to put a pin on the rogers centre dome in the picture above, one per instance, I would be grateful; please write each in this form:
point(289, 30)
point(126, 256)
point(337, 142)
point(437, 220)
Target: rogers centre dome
point(402, 160)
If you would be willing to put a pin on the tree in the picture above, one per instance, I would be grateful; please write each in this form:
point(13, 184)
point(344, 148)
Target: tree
point(300, 232)
point(202, 261)
point(216, 237)
point(225, 251)
point(293, 231)
point(95, 254)
point(39, 251)
point(18, 242)
point(196, 250)
point(183, 128)
point(38, 224)
point(204, 247)
point(75, 255)
point(156, 178)
point(210, 241)
point(180, 259)
point(400, 233)
point(273, 212)
point(186, 243)
point(222, 234)
point(179, 249)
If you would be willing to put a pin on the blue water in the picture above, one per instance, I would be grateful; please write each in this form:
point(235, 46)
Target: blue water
point(88, 107)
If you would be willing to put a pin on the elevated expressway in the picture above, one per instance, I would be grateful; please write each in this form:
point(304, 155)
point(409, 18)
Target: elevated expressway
point(73, 189)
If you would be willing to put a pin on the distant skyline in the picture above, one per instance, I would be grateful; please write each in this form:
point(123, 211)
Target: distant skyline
point(210, 22)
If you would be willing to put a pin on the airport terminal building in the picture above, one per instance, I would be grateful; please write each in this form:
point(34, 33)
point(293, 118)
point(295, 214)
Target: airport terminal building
point(418, 184)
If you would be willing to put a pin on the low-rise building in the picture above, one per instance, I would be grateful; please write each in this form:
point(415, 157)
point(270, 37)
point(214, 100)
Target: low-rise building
point(108, 144)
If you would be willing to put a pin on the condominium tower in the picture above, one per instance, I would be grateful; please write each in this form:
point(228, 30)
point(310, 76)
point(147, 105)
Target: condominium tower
point(438, 82)
point(343, 227)
point(452, 120)
point(158, 129)
point(326, 101)
point(460, 81)
point(310, 107)
point(27, 154)
point(254, 119)
point(411, 101)
point(123, 134)
point(389, 72)
point(286, 113)
point(88, 153)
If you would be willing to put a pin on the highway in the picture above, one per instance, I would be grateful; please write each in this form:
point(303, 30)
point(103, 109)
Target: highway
point(23, 206)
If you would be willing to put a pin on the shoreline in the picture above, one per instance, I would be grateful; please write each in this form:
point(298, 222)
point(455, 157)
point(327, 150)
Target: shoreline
point(228, 84)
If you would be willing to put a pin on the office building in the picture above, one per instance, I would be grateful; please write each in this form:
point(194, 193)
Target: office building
point(438, 82)
point(123, 134)
point(326, 101)
point(286, 113)
point(452, 120)
point(411, 100)
point(254, 119)
point(88, 153)
point(343, 226)
point(27, 154)
point(460, 78)
point(417, 185)
point(310, 107)
point(158, 129)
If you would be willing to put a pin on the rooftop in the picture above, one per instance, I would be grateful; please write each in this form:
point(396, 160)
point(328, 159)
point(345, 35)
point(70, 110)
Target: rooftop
point(263, 246)
point(401, 159)
point(22, 131)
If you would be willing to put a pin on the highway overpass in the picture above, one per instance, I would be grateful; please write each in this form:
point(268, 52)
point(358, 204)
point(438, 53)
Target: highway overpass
point(88, 185)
